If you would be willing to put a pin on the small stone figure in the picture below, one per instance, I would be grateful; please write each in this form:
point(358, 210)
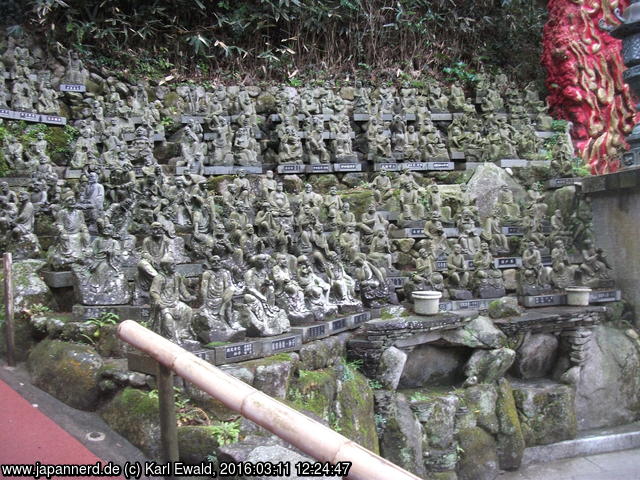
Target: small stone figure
point(487, 280)
point(457, 269)
point(372, 283)
point(98, 277)
point(171, 316)
point(76, 74)
point(73, 236)
point(594, 266)
point(342, 285)
point(258, 312)
point(216, 320)
point(23, 242)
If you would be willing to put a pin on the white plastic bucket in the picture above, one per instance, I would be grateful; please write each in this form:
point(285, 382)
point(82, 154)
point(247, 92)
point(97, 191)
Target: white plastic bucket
point(426, 302)
point(578, 296)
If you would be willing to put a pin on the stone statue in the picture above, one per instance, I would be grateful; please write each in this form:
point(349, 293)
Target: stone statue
point(342, 285)
point(371, 283)
point(98, 277)
point(216, 319)
point(171, 316)
point(457, 269)
point(258, 312)
point(594, 266)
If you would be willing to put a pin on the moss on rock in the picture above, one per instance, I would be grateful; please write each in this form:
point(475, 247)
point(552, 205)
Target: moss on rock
point(510, 439)
point(135, 415)
point(196, 443)
point(478, 457)
point(68, 371)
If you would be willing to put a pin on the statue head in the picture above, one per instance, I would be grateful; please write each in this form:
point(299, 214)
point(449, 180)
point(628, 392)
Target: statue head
point(484, 247)
point(457, 249)
point(168, 264)
point(214, 262)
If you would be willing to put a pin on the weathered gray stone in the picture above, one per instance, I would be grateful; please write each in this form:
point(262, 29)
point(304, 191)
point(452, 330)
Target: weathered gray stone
point(510, 439)
point(68, 371)
point(401, 436)
point(486, 366)
point(478, 457)
point(478, 333)
point(135, 415)
point(28, 288)
point(485, 185)
point(481, 400)
point(437, 414)
point(273, 378)
point(392, 364)
point(546, 411)
point(504, 307)
point(277, 454)
point(510, 279)
point(431, 365)
point(608, 390)
point(536, 356)
point(196, 443)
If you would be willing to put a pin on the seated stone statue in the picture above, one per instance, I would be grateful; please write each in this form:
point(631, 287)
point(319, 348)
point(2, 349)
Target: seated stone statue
point(98, 277)
point(371, 283)
point(216, 319)
point(258, 312)
point(342, 285)
point(171, 316)
point(487, 280)
point(22, 241)
point(594, 266)
point(457, 269)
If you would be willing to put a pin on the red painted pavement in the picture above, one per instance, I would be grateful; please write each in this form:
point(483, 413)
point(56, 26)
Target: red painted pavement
point(27, 436)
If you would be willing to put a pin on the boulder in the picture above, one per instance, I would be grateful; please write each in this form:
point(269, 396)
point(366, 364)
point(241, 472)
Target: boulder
point(545, 410)
point(353, 411)
point(68, 371)
point(391, 366)
point(485, 185)
point(196, 443)
point(135, 415)
point(487, 366)
point(478, 333)
point(277, 454)
point(437, 414)
point(430, 365)
point(28, 288)
point(401, 433)
point(608, 389)
point(504, 307)
point(510, 439)
point(481, 400)
point(478, 456)
point(536, 357)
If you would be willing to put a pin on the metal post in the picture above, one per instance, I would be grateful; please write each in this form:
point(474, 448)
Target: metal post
point(9, 329)
point(168, 422)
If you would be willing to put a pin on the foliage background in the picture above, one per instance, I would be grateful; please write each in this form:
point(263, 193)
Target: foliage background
point(283, 39)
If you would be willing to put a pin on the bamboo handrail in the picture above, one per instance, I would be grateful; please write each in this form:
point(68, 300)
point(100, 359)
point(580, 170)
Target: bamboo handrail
point(308, 435)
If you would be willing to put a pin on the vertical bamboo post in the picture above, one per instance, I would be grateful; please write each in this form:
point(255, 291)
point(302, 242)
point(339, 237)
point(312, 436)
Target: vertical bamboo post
point(8, 310)
point(168, 421)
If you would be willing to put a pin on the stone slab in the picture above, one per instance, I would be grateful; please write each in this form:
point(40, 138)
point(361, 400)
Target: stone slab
point(462, 305)
point(361, 117)
point(588, 442)
point(561, 182)
point(441, 117)
point(53, 119)
point(312, 331)
point(125, 312)
point(291, 168)
point(398, 282)
point(409, 117)
point(71, 87)
point(456, 155)
point(549, 300)
point(513, 163)
point(358, 319)
point(347, 167)
point(238, 352)
point(319, 168)
point(58, 279)
point(605, 295)
point(388, 166)
point(339, 325)
point(507, 262)
point(281, 343)
point(544, 134)
point(228, 170)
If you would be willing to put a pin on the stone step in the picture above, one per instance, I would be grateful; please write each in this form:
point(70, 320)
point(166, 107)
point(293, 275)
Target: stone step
point(589, 442)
